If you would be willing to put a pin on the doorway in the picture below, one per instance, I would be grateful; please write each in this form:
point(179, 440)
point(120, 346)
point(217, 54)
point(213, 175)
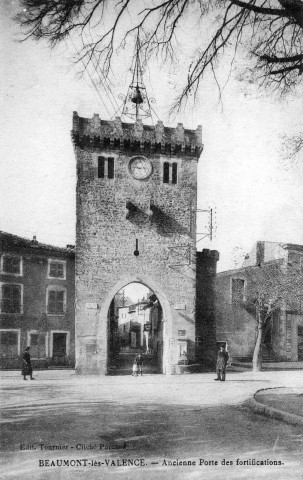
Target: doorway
point(135, 326)
point(59, 349)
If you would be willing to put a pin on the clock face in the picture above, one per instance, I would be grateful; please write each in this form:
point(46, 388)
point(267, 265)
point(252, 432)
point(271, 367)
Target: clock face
point(140, 168)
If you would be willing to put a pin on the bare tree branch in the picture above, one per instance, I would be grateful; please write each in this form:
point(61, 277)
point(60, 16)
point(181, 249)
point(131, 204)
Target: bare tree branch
point(265, 11)
point(281, 59)
point(272, 36)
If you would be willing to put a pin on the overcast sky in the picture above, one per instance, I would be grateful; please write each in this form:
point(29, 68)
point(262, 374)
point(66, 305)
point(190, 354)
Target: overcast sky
point(240, 173)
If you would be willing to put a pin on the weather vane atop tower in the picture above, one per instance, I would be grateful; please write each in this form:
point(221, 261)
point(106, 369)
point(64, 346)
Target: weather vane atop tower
point(136, 102)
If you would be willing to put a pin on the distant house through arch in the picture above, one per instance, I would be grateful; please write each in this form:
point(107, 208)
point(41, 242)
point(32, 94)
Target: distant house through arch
point(104, 324)
point(135, 326)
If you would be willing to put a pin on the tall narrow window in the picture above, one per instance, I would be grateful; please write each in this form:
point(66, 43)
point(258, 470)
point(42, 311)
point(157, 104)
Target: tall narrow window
point(165, 172)
point(11, 298)
point(237, 290)
point(110, 165)
point(106, 167)
point(101, 162)
point(174, 178)
point(56, 302)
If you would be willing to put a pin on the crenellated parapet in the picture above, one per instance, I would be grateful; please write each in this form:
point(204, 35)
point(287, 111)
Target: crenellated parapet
point(136, 137)
point(207, 254)
point(206, 262)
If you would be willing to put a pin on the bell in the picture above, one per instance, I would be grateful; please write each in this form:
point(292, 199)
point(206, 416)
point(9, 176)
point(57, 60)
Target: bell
point(137, 97)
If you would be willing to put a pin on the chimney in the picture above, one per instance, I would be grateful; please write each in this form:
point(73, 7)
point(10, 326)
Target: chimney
point(260, 254)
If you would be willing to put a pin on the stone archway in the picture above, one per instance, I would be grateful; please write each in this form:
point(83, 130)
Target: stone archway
point(102, 329)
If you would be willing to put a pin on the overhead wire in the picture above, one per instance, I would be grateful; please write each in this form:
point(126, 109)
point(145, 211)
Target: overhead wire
point(104, 83)
point(106, 88)
point(93, 83)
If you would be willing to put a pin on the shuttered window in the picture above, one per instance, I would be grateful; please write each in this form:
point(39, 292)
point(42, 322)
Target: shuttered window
point(101, 169)
point(11, 301)
point(174, 178)
point(56, 302)
point(165, 172)
point(106, 167)
point(56, 269)
point(110, 168)
point(170, 173)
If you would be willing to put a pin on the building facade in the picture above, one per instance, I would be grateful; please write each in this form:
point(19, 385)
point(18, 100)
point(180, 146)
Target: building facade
point(37, 297)
point(132, 320)
point(140, 326)
point(272, 269)
point(136, 222)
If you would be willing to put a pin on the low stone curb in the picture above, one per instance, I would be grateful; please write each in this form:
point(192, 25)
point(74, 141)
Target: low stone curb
point(272, 412)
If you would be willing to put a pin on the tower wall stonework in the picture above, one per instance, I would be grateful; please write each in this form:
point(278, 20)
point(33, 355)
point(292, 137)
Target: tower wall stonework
point(115, 216)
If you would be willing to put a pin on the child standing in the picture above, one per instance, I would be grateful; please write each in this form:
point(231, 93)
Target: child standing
point(135, 369)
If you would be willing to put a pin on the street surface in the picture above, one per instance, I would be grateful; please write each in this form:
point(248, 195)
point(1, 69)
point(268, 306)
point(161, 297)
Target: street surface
point(63, 426)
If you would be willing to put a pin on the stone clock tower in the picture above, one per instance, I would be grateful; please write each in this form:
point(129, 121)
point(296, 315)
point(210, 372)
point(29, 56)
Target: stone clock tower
point(136, 222)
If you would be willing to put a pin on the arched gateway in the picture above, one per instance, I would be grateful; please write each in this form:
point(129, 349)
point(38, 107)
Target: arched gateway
point(136, 222)
point(138, 327)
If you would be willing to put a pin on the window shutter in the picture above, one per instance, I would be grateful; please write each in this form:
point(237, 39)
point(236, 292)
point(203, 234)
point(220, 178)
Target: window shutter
point(101, 161)
point(11, 298)
point(165, 172)
point(111, 169)
point(174, 179)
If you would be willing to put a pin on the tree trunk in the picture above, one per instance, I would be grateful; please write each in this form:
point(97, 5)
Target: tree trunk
point(257, 357)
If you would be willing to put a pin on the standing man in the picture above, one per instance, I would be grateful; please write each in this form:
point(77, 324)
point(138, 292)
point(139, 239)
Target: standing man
point(27, 365)
point(139, 362)
point(221, 363)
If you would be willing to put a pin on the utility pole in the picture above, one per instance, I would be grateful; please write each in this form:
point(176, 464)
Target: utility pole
point(209, 233)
